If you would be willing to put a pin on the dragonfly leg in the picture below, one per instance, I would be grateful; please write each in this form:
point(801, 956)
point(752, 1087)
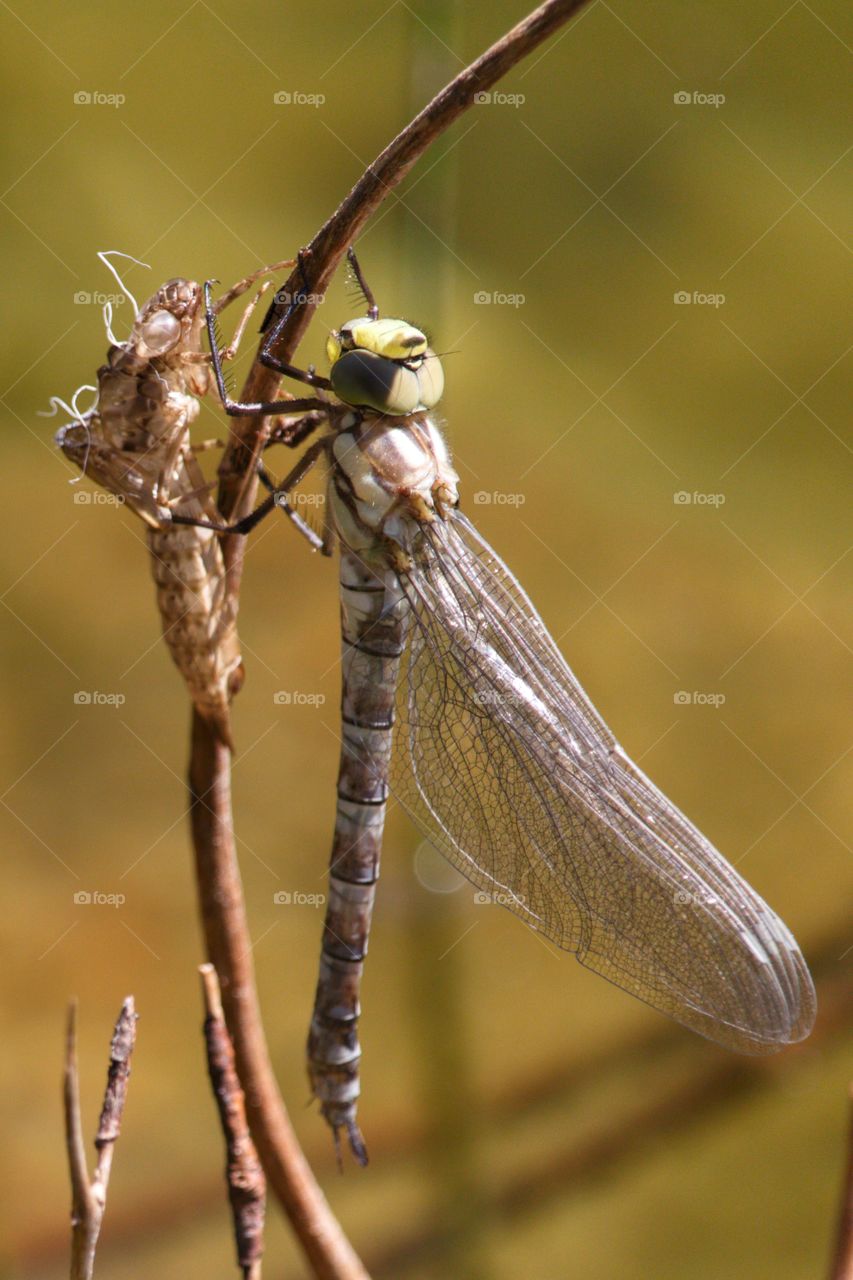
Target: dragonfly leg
point(374, 629)
point(293, 433)
point(372, 307)
point(237, 337)
point(278, 497)
point(273, 327)
point(241, 286)
point(237, 408)
point(282, 502)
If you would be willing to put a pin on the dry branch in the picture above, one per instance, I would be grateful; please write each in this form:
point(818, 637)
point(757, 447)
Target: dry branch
point(89, 1198)
point(247, 1188)
point(220, 892)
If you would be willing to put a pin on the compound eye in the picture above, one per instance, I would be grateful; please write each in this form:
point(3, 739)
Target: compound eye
point(160, 332)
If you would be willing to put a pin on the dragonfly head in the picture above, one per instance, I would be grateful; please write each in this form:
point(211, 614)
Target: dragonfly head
point(384, 364)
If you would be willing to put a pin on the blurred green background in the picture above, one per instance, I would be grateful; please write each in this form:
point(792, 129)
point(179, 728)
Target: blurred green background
point(524, 1118)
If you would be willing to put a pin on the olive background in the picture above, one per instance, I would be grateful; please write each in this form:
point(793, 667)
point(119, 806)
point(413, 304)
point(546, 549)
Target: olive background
point(524, 1118)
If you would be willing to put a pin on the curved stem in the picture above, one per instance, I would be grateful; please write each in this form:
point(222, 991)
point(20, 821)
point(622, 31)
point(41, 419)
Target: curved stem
point(229, 948)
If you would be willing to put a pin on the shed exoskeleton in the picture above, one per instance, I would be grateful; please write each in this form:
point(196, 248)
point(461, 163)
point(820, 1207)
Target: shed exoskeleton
point(136, 443)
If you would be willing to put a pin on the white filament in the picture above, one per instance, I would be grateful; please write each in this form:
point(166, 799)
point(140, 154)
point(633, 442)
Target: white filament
point(105, 255)
point(74, 411)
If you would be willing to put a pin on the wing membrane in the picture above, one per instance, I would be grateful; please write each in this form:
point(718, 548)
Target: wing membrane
point(509, 768)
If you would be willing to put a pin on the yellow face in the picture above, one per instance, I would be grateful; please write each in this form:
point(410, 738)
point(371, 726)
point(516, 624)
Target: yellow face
point(385, 365)
point(393, 339)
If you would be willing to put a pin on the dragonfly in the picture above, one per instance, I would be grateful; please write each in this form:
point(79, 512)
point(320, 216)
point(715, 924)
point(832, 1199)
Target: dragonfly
point(135, 442)
point(457, 703)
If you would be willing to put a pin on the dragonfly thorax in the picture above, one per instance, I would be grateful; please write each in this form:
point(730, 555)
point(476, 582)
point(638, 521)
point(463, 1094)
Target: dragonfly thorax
point(385, 365)
point(386, 473)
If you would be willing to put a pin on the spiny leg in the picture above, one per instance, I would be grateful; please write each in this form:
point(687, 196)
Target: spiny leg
point(236, 291)
point(372, 307)
point(274, 325)
point(236, 408)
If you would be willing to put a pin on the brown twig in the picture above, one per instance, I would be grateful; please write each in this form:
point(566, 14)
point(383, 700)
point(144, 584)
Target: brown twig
point(223, 910)
point(842, 1262)
point(247, 1188)
point(89, 1198)
point(229, 949)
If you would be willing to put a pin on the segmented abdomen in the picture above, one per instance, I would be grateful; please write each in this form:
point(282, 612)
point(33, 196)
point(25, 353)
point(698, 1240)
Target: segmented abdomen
point(375, 617)
point(189, 570)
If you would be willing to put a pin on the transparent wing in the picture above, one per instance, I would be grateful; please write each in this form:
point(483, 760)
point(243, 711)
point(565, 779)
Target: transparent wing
point(508, 767)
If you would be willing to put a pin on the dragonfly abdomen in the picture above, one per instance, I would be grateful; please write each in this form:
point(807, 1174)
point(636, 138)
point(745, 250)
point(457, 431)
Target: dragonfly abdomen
point(375, 617)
